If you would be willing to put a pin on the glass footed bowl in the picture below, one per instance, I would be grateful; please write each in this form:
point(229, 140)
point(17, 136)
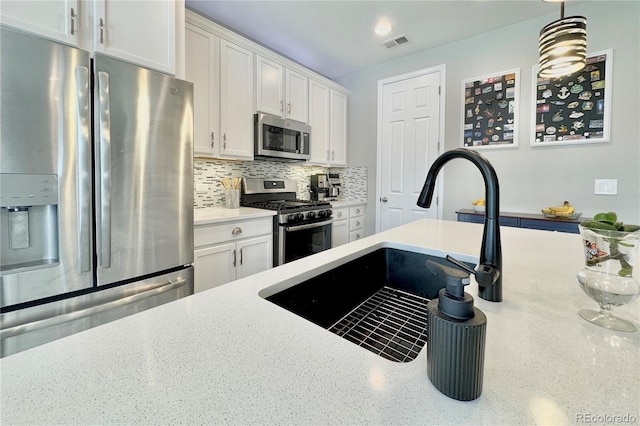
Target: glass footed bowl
point(608, 294)
point(608, 275)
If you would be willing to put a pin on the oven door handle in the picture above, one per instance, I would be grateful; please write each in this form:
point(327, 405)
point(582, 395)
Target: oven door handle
point(294, 228)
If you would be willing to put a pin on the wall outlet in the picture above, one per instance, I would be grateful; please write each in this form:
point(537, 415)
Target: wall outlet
point(606, 187)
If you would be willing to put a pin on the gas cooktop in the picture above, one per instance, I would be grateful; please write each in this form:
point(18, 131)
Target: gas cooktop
point(288, 205)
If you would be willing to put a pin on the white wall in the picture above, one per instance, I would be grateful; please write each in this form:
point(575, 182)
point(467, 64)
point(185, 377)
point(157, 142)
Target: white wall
point(530, 178)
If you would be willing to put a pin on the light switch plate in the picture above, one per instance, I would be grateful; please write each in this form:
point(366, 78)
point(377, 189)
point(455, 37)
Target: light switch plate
point(606, 187)
point(202, 187)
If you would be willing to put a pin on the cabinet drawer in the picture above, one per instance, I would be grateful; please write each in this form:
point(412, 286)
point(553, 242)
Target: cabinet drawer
point(571, 228)
point(342, 213)
point(356, 211)
point(230, 231)
point(355, 235)
point(356, 223)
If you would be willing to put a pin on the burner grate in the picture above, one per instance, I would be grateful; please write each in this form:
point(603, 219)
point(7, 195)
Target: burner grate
point(391, 323)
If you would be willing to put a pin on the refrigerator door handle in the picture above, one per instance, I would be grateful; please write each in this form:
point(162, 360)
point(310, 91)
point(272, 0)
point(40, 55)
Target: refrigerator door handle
point(29, 327)
point(83, 170)
point(105, 169)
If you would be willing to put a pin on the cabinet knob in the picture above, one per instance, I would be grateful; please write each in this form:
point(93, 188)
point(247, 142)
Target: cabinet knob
point(236, 231)
point(384, 199)
point(339, 214)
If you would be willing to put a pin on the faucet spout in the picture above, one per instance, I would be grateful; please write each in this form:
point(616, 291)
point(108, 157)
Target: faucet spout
point(488, 275)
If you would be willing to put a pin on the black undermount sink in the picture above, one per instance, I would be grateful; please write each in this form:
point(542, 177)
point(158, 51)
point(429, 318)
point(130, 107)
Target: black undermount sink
point(377, 300)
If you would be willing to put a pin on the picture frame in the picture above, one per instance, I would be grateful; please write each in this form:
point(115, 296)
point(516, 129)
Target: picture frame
point(490, 110)
point(574, 109)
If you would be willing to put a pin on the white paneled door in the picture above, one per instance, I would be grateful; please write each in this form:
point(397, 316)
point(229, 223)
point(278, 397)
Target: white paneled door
point(408, 133)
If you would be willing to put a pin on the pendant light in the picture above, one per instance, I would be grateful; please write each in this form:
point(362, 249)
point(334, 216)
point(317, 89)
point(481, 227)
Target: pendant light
point(563, 46)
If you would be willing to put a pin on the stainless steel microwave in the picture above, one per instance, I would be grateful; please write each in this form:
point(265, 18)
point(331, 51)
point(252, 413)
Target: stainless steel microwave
point(280, 139)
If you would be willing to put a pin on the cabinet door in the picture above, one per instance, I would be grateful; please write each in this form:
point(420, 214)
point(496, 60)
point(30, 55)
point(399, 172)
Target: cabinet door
point(253, 255)
point(338, 135)
point(339, 233)
point(269, 89)
point(319, 113)
point(297, 96)
point(56, 19)
point(201, 70)
point(236, 101)
point(142, 32)
point(213, 266)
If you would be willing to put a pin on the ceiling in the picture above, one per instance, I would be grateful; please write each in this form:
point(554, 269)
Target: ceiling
point(336, 37)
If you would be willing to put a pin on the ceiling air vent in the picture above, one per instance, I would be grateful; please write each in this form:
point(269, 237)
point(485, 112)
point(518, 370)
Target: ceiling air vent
point(396, 41)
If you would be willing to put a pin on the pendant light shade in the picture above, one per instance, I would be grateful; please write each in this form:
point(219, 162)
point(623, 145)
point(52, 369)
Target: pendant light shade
point(563, 46)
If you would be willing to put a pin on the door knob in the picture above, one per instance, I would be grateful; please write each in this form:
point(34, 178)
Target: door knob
point(384, 199)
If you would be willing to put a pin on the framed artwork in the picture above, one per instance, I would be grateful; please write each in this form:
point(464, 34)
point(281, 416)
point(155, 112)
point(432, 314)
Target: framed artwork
point(574, 109)
point(490, 110)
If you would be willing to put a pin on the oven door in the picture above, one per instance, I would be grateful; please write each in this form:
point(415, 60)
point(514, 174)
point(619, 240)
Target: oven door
point(298, 241)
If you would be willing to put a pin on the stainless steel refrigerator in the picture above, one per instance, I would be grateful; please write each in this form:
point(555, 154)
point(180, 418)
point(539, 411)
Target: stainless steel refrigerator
point(96, 189)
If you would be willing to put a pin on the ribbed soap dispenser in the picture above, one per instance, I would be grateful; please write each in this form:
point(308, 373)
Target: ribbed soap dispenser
point(455, 337)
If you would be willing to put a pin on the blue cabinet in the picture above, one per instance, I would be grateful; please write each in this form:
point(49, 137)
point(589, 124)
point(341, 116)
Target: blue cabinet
point(525, 220)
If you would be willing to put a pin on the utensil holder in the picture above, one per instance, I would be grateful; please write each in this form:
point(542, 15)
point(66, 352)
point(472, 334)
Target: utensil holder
point(232, 198)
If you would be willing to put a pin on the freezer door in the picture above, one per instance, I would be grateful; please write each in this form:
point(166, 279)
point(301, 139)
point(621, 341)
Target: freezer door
point(34, 326)
point(45, 168)
point(144, 170)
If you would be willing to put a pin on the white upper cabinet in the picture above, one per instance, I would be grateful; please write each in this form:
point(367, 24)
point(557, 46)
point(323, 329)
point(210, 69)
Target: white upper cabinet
point(319, 119)
point(58, 19)
point(328, 121)
point(297, 98)
point(269, 87)
point(338, 129)
point(236, 101)
point(201, 68)
point(222, 77)
point(142, 32)
point(234, 78)
point(281, 91)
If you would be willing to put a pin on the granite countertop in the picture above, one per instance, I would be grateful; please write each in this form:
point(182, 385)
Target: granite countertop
point(212, 215)
point(227, 356)
point(345, 203)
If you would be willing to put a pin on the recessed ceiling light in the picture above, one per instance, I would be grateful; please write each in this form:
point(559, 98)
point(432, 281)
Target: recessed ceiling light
point(383, 28)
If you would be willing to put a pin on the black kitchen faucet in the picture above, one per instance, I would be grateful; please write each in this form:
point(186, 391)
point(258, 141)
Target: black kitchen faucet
point(488, 274)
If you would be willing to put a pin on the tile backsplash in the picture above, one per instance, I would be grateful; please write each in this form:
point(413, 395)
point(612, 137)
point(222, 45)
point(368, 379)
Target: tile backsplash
point(208, 191)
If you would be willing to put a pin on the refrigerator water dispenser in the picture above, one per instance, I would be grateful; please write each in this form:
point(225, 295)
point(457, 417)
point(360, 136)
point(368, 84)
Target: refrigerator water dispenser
point(29, 216)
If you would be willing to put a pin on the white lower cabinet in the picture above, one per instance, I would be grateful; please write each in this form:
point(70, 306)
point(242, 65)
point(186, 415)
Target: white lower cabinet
point(230, 251)
point(340, 227)
point(348, 224)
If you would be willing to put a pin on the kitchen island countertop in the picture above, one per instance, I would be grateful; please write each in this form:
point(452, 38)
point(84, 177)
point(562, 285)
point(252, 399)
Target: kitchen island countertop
point(227, 356)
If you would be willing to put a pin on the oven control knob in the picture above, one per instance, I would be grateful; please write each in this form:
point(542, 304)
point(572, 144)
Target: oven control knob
point(291, 217)
point(328, 213)
point(299, 216)
point(312, 215)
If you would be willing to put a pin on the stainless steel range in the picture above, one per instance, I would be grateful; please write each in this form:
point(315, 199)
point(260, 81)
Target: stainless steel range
point(300, 228)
